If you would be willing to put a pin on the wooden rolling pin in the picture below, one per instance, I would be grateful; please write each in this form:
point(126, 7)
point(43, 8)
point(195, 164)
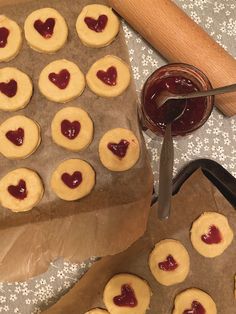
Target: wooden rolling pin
point(179, 39)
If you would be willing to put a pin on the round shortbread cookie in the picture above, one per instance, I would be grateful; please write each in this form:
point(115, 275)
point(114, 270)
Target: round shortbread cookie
point(19, 137)
point(97, 26)
point(169, 262)
point(119, 149)
point(21, 190)
point(127, 294)
point(46, 30)
point(97, 311)
point(61, 81)
point(109, 77)
point(10, 39)
point(72, 128)
point(211, 234)
point(73, 179)
point(15, 89)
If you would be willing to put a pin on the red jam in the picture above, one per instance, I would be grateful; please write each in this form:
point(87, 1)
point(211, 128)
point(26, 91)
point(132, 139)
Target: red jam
point(213, 236)
point(97, 25)
point(16, 137)
point(9, 89)
point(45, 28)
point(70, 129)
point(127, 297)
point(197, 308)
point(119, 149)
point(72, 181)
point(4, 33)
point(18, 191)
point(169, 265)
point(108, 77)
point(61, 80)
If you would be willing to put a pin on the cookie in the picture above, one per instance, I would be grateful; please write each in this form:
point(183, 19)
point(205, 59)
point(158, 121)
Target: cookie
point(97, 311)
point(61, 81)
point(211, 234)
point(127, 294)
point(46, 30)
point(73, 179)
point(72, 128)
point(194, 301)
point(15, 89)
point(108, 77)
point(19, 137)
point(21, 190)
point(169, 262)
point(10, 39)
point(119, 149)
point(97, 26)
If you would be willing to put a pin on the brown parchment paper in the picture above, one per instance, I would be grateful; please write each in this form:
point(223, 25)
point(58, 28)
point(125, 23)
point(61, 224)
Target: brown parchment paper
point(114, 215)
point(215, 276)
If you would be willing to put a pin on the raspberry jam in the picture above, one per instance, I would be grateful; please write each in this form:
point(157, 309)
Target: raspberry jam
point(18, 191)
point(9, 89)
point(108, 77)
point(119, 149)
point(46, 28)
point(98, 25)
point(70, 129)
point(196, 308)
point(213, 236)
point(61, 80)
point(16, 137)
point(4, 33)
point(169, 264)
point(127, 297)
point(72, 181)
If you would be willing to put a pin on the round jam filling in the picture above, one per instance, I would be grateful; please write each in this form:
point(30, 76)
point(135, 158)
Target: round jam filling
point(18, 191)
point(4, 33)
point(70, 129)
point(46, 28)
point(72, 181)
point(196, 308)
point(97, 25)
point(213, 236)
point(119, 149)
point(127, 297)
point(61, 79)
point(169, 265)
point(16, 137)
point(9, 89)
point(108, 77)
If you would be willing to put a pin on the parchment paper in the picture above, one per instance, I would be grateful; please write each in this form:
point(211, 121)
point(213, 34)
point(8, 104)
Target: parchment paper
point(114, 215)
point(215, 276)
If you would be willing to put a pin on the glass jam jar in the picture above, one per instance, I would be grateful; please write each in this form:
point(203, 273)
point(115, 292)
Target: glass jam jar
point(177, 78)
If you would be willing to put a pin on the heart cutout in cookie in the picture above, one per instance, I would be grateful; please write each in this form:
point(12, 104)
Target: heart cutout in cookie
point(213, 236)
point(4, 33)
point(46, 28)
point(97, 25)
point(70, 129)
point(127, 297)
point(61, 79)
point(18, 191)
point(196, 308)
point(72, 181)
point(9, 89)
point(16, 137)
point(119, 149)
point(109, 77)
point(169, 264)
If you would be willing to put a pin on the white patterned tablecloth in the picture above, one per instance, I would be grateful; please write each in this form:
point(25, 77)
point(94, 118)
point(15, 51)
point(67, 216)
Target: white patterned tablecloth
point(215, 140)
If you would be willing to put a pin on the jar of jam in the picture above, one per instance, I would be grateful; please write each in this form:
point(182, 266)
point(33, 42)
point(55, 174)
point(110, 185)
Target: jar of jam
point(177, 78)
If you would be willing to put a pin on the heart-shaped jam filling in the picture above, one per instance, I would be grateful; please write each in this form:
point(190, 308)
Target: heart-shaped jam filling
point(197, 308)
point(70, 129)
point(108, 77)
point(45, 28)
point(9, 89)
point(18, 191)
point(61, 79)
point(16, 137)
point(4, 33)
point(169, 264)
point(72, 181)
point(127, 297)
point(213, 236)
point(119, 149)
point(97, 25)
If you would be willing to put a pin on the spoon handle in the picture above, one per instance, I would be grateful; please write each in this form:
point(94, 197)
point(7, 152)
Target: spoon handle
point(165, 175)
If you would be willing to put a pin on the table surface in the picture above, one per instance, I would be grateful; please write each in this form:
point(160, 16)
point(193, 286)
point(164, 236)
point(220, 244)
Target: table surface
point(215, 140)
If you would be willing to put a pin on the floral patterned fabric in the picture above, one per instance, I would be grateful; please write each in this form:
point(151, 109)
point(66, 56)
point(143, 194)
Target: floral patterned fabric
point(216, 140)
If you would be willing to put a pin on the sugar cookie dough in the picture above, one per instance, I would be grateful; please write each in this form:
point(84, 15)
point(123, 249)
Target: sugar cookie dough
point(97, 311)
point(15, 89)
point(97, 25)
point(46, 30)
point(72, 128)
point(194, 301)
point(127, 294)
point(108, 77)
point(169, 262)
point(10, 39)
point(21, 190)
point(119, 149)
point(61, 81)
point(19, 137)
point(211, 234)
point(73, 179)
